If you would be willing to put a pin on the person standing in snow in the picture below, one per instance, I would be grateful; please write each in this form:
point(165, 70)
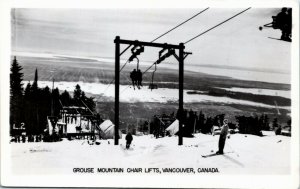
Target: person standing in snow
point(223, 135)
point(128, 139)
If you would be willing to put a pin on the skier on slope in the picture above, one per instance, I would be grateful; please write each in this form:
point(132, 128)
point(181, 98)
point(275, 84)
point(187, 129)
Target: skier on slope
point(128, 139)
point(223, 135)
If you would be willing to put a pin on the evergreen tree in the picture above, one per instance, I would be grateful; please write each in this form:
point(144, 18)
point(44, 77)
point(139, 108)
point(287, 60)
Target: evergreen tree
point(35, 81)
point(261, 122)
point(90, 103)
point(266, 122)
point(201, 121)
point(55, 102)
point(208, 125)
point(276, 126)
point(44, 109)
point(249, 125)
point(35, 103)
point(28, 119)
point(275, 123)
point(218, 120)
point(27, 91)
point(256, 124)
point(65, 98)
point(16, 94)
point(82, 96)
point(77, 93)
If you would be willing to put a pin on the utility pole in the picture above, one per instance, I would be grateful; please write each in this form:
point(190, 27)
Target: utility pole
point(52, 101)
point(181, 76)
point(117, 88)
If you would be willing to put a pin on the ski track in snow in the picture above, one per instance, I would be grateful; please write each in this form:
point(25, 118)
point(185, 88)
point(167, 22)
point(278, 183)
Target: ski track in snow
point(245, 155)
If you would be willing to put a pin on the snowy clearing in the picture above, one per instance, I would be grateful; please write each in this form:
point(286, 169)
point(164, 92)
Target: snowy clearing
point(246, 154)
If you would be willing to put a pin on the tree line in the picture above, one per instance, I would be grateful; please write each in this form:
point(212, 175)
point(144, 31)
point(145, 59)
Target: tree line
point(194, 122)
point(30, 107)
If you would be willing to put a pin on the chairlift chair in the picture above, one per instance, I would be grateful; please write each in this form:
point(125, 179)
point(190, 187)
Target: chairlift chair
point(152, 85)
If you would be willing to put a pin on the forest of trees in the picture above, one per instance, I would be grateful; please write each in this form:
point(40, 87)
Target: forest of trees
point(32, 105)
point(198, 122)
point(195, 122)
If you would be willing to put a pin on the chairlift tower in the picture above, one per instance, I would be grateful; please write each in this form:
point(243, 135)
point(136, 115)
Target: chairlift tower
point(171, 51)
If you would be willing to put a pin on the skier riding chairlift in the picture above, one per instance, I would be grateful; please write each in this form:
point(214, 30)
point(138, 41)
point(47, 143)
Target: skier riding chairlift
point(136, 76)
point(133, 76)
point(282, 21)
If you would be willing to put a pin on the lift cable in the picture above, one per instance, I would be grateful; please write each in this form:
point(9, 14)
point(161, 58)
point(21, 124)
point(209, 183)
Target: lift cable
point(180, 24)
point(169, 32)
point(111, 82)
point(124, 65)
point(216, 26)
point(155, 40)
point(198, 36)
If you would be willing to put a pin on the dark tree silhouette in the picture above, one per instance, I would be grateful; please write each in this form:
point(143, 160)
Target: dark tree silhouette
point(80, 98)
point(208, 125)
point(77, 93)
point(90, 103)
point(65, 98)
point(201, 121)
point(249, 125)
point(44, 104)
point(35, 103)
point(28, 116)
point(35, 81)
point(56, 106)
point(266, 122)
point(275, 123)
point(16, 94)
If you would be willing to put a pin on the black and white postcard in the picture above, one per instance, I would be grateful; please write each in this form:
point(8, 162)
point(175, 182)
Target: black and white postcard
point(150, 94)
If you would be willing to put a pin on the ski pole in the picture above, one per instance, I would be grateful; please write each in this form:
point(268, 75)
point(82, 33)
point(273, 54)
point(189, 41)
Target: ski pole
point(232, 149)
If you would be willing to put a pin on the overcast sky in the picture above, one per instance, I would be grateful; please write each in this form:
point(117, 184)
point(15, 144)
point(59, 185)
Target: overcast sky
point(237, 43)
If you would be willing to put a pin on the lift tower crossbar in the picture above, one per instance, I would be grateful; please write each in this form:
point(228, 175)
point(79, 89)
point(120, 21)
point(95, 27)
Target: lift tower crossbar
point(182, 55)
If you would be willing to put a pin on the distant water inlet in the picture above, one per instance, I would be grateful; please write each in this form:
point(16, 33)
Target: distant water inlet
point(250, 75)
point(282, 93)
point(162, 95)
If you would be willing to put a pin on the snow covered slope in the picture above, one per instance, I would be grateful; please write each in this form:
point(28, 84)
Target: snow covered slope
point(244, 154)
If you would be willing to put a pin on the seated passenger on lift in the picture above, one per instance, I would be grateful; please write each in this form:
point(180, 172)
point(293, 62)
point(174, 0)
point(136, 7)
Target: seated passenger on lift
point(133, 76)
point(139, 77)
